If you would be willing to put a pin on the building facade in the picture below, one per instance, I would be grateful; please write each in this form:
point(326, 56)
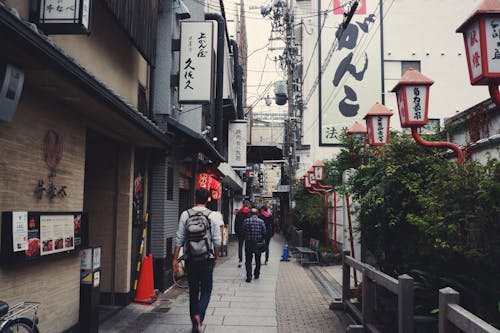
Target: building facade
point(97, 143)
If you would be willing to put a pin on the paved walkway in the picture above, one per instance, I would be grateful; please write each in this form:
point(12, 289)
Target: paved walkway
point(286, 298)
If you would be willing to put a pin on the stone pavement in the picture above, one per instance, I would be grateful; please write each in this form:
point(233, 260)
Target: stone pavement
point(286, 298)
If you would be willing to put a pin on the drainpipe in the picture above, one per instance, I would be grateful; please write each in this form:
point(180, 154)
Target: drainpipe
point(238, 80)
point(220, 78)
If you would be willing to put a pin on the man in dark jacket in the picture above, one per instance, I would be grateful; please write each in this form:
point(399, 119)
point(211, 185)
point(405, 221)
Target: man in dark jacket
point(242, 214)
point(254, 232)
point(269, 223)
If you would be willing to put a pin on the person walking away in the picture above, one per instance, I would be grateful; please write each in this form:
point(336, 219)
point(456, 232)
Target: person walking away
point(242, 214)
point(254, 231)
point(199, 233)
point(269, 223)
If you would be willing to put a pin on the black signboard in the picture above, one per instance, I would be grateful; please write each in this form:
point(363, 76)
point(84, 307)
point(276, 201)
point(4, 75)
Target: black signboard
point(28, 236)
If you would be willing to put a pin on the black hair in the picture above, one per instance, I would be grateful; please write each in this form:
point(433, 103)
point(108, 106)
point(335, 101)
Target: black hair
point(201, 195)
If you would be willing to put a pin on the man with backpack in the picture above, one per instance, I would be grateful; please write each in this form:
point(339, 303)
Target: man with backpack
point(199, 233)
point(242, 214)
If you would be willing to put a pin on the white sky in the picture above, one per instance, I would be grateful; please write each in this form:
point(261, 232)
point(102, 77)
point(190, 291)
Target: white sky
point(262, 69)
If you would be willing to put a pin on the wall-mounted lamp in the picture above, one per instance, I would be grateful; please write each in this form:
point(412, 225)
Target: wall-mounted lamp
point(181, 10)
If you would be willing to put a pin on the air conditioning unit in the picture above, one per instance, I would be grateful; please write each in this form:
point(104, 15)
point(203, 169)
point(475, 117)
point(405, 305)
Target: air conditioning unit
point(12, 80)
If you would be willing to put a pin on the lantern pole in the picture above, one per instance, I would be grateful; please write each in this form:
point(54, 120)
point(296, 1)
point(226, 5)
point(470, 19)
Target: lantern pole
point(438, 144)
point(494, 93)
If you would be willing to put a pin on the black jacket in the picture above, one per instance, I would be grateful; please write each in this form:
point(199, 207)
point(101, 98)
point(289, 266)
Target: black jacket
point(243, 214)
point(269, 223)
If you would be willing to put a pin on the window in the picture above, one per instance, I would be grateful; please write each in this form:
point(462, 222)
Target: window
point(406, 65)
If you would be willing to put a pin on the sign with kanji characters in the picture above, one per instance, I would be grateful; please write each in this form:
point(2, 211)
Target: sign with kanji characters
point(474, 56)
point(196, 67)
point(350, 69)
point(64, 16)
point(237, 144)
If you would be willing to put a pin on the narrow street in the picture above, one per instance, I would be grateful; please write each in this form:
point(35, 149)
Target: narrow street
point(286, 298)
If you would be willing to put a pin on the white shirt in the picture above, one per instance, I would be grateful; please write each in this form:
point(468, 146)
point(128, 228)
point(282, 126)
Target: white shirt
point(216, 222)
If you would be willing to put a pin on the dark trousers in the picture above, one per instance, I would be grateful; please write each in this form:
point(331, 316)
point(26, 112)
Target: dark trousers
point(268, 240)
point(241, 240)
point(200, 274)
point(250, 252)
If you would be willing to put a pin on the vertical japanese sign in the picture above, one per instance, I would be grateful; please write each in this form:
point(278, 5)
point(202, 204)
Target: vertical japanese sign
point(237, 144)
point(492, 27)
point(416, 96)
point(475, 61)
point(351, 79)
point(196, 62)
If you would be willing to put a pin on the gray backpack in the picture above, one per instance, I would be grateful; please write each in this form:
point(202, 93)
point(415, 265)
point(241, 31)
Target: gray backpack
point(198, 235)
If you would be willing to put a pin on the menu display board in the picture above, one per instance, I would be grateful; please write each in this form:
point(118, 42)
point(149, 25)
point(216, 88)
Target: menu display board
point(29, 236)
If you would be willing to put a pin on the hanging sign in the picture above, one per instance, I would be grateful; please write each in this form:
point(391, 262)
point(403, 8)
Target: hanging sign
point(196, 62)
point(237, 144)
point(63, 16)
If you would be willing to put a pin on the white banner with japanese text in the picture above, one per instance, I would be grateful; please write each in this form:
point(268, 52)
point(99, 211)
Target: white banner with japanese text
point(196, 67)
point(351, 80)
point(237, 144)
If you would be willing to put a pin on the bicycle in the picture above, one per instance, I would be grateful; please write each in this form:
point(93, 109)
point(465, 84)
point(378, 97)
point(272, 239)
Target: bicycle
point(14, 320)
point(180, 278)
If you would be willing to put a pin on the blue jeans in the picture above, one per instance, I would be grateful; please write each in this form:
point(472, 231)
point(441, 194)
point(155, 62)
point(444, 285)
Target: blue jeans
point(200, 279)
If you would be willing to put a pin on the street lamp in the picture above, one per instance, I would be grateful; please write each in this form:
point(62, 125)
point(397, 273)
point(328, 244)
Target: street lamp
point(481, 33)
point(377, 122)
point(357, 130)
point(319, 169)
point(412, 93)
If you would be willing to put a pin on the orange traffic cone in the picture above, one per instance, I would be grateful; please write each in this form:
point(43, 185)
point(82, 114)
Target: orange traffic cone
point(145, 293)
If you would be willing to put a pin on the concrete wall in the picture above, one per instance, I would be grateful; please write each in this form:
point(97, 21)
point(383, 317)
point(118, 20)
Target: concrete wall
point(54, 281)
point(107, 53)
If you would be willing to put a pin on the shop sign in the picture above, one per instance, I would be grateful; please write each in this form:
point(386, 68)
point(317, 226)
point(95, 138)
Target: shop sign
point(196, 62)
point(282, 188)
point(208, 180)
point(62, 16)
point(237, 144)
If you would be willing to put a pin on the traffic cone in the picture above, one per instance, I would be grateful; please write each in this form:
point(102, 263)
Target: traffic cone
point(284, 257)
point(145, 293)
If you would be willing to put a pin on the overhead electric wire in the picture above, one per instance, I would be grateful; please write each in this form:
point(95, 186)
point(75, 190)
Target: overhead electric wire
point(315, 45)
point(358, 55)
point(334, 94)
point(246, 16)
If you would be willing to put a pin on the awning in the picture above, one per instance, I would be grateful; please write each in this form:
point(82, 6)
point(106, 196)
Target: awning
point(259, 154)
point(195, 141)
point(50, 70)
point(231, 178)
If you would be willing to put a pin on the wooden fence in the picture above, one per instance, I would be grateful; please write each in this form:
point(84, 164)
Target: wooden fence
point(451, 315)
